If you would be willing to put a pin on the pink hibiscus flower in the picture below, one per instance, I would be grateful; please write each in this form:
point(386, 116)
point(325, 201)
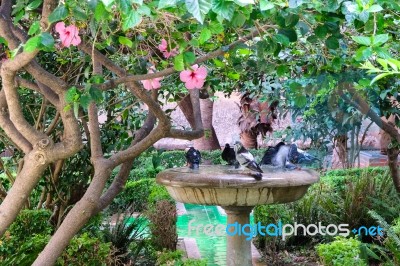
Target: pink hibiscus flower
point(68, 35)
point(163, 48)
point(151, 84)
point(194, 79)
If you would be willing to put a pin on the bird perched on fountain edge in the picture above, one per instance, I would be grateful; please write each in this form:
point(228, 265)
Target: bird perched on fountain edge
point(193, 158)
point(229, 156)
point(245, 158)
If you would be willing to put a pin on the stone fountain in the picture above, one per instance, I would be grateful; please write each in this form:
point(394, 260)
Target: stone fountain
point(237, 192)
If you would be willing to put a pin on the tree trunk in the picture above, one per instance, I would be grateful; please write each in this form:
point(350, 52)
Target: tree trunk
point(210, 140)
point(24, 183)
point(249, 139)
point(393, 167)
point(340, 148)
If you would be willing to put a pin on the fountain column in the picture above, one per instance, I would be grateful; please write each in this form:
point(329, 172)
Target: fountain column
point(238, 249)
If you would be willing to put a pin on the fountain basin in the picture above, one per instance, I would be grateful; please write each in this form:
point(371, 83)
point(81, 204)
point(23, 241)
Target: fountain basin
point(224, 186)
point(237, 192)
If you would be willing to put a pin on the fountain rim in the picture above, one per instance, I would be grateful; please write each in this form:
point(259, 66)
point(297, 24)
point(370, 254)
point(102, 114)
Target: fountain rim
point(183, 177)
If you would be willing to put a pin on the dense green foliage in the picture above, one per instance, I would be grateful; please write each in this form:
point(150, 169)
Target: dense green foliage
point(342, 196)
point(342, 251)
point(26, 238)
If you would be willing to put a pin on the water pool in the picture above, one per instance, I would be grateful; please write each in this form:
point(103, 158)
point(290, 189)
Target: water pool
point(212, 248)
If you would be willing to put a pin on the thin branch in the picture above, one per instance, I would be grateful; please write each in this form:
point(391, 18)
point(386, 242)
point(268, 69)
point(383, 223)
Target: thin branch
point(361, 105)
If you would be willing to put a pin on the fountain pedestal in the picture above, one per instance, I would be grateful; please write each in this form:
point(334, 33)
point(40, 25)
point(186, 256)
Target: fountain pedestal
point(237, 192)
point(238, 249)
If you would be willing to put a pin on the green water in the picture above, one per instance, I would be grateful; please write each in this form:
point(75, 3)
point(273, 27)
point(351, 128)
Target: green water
point(212, 248)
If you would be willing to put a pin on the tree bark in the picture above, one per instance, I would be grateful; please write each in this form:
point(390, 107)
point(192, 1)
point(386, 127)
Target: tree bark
point(249, 139)
point(210, 140)
point(393, 155)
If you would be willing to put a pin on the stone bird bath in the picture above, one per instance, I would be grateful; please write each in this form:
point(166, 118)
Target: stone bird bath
point(236, 192)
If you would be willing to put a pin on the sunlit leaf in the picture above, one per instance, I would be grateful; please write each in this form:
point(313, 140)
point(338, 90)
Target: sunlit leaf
point(198, 8)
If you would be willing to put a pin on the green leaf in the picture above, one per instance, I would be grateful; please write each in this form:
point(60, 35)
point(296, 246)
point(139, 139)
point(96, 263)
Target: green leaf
point(332, 43)
point(76, 109)
point(95, 94)
point(205, 35)
point(321, 31)
point(244, 2)
point(108, 4)
point(144, 10)
point(178, 63)
point(133, 19)
point(362, 40)
point(380, 76)
point(166, 3)
point(198, 8)
point(383, 63)
point(379, 39)
point(295, 3)
point(32, 44)
point(60, 13)
point(395, 64)
point(125, 41)
point(189, 58)
point(282, 39)
point(47, 40)
point(363, 53)
point(238, 20)
point(85, 100)
point(224, 9)
point(218, 63)
point(291, 20)
point(300, 101)
point(290, 33)
point(100, 12)
point(33, 5)
point(71, 94)
point(97, 79)
point(233, 75)
point(216, 27)
point(303, 27)
point(382, 52)
point(34, 28)
point(282, 70)
point(79, 13)
point(139, 2)
point(374, 8)
point(266, 5)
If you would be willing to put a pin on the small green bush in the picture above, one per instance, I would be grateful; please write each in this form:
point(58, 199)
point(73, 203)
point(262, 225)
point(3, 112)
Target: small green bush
point(26, 233)
point(85, 250)
point(176, 258)
point(342, 251)
point(158, 193)
point(134, 195)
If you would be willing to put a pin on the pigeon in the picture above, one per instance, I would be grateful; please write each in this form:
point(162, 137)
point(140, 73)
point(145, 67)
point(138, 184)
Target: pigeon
point(229, 156)
point(245, 158)
point(286, 156)
point(193, 158)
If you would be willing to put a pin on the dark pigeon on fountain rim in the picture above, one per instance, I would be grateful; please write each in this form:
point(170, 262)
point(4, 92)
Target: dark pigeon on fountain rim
point(193, 158)
point(246, 159)
point(229, 156)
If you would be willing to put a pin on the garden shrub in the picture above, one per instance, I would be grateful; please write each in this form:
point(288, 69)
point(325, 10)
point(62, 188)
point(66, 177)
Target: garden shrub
point(342, 251)
point(134, 196)
point(28, 233)
point(125, 231)
point(158, 193)
point(162, 225)
point(176, 258)
point(85, 250)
